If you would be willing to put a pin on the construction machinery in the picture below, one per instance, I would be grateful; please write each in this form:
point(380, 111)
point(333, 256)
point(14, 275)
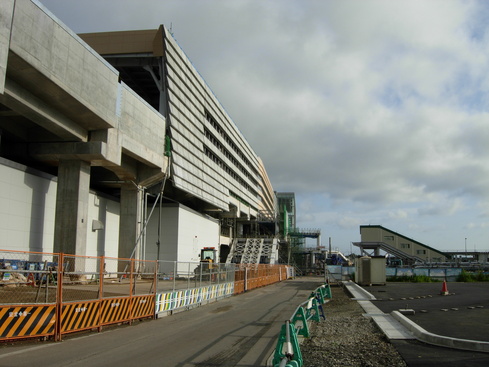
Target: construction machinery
point(208, 258)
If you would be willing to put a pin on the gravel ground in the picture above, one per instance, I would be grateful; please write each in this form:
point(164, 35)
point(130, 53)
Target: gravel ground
point(347, 338)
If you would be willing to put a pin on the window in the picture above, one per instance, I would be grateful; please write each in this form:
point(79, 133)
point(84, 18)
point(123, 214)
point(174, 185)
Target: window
point(388, 238)
point(420, 252)
point(213, 122)
point(405, 245)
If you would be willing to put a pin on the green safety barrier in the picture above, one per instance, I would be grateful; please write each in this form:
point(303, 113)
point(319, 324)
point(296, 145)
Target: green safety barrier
point(298, 325)
point(288, 338)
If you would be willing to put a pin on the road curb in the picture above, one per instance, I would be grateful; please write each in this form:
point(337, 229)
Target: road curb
point(440, 340)
point(357, 292)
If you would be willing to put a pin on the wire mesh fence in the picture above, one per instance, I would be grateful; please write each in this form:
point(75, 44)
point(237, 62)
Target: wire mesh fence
point(28, 277)
point(117, 277)
point(76, 293)
point(80, 280)
point(174, 275)
point(143, 277)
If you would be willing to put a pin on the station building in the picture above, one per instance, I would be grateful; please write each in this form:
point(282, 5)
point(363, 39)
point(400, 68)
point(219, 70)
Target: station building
point(376, 238)
point(112, 144)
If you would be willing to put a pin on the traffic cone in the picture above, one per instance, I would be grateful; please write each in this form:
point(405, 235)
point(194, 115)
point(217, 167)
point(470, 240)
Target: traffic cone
point(444, 289)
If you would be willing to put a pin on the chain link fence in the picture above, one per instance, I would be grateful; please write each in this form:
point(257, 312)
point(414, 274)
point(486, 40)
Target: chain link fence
point(80, 278)
point(28, 277)
point(117, 277)
point(70, 293)
point(175, 276)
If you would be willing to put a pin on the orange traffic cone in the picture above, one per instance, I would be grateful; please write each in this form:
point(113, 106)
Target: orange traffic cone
point(444, 289)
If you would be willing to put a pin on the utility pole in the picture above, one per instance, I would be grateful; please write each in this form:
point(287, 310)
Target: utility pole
point(465, 248)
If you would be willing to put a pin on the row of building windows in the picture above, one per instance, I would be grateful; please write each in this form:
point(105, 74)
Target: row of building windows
point(229, 141)
point(209, 153)
point(407, 246)
point(229, 156)
point(240, 199)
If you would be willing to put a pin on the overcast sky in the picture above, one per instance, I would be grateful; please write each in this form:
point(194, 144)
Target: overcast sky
point(372, 112)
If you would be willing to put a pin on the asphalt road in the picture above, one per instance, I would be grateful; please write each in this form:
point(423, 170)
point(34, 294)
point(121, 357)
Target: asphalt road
point(237, 331)
point(464, 314)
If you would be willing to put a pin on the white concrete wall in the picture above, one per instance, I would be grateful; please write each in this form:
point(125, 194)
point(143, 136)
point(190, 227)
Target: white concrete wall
point(195, 232)
point(183, 233)
point(169, 233)
point(103, 242)
point(27, 206)
point(27, 212)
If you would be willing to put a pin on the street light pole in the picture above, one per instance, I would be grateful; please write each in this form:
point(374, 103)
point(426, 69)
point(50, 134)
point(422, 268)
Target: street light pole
point(465, 248)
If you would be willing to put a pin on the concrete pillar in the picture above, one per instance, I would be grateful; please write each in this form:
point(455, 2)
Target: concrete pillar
point(129, 221)
point(70, 229)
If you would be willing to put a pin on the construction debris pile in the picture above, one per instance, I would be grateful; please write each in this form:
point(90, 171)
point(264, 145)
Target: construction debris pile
point(13, 279)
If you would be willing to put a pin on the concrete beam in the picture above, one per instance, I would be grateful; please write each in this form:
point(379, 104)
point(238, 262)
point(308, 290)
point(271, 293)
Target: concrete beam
point(7, 11)
point(90, 151)
point(28, 105)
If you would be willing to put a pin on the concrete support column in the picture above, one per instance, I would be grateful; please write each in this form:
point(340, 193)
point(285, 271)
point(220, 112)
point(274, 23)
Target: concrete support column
point(70, 229)
point(129, 220)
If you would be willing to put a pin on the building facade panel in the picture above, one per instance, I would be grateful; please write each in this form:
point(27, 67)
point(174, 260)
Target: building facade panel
point(190, 102)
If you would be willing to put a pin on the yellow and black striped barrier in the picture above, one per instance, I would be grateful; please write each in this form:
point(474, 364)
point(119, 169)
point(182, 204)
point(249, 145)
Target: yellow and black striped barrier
point(27, 321)
point(142, 306)
point(79, 316)
point(114, 310)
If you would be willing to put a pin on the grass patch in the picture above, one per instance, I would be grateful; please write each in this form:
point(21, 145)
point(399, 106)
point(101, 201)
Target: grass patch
point(466, 276)
point(413, 279)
